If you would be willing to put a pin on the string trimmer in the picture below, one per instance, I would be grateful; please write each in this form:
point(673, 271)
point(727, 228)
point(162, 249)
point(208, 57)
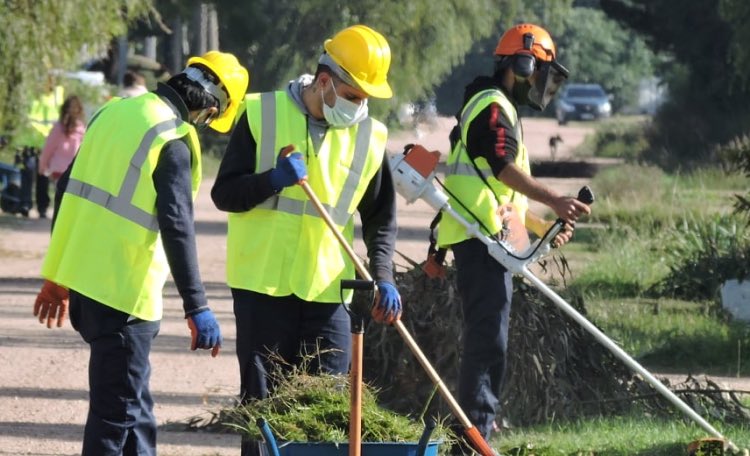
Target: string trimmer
point(413, 173)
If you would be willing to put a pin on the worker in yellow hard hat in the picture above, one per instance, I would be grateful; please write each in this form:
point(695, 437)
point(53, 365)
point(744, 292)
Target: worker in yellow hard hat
point(124, 220)
point(489, 180)
point(284, 264)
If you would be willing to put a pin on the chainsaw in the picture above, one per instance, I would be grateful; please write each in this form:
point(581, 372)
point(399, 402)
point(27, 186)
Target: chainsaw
point(413, 174)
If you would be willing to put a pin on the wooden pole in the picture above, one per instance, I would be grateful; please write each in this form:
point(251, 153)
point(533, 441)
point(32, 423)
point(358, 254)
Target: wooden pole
point(355, 403)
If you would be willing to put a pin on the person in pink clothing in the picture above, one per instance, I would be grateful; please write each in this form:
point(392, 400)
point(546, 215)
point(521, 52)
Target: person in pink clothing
point(62, 143)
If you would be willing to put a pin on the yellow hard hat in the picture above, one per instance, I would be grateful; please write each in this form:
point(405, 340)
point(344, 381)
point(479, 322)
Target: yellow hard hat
point(365, 55)
point(234, 79)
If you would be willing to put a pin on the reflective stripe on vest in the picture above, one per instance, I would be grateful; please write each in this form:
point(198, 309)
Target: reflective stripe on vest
point(121, 204)
point(268, 119)
point(282, 246)
point(106, 243)
point(340, 213)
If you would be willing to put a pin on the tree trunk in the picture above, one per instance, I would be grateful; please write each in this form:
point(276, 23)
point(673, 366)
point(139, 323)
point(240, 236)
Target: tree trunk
point(175, 47)
point(149, 47)
point(199, 29)
point(213, 27)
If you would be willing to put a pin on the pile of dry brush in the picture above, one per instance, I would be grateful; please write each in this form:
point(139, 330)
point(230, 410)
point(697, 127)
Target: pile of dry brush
point(556, 370)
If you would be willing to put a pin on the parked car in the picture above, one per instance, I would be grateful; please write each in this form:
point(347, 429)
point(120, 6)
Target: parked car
point(582, 102)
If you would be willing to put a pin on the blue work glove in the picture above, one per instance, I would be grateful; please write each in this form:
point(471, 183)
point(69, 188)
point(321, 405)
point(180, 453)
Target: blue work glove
point(387, 308)
point(205, 332)
point(290, 170)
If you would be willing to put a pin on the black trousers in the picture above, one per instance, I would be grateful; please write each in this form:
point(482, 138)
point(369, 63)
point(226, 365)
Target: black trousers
point(317, 334)
point(42, 194)
point(292, 329)
point(120, 419)
point(27, 165)
point(486, 290)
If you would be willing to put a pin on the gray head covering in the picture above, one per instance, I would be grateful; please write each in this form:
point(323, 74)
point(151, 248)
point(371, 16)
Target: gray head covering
point(325, 59)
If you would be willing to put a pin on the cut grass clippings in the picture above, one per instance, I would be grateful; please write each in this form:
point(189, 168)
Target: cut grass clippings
point(315, 408)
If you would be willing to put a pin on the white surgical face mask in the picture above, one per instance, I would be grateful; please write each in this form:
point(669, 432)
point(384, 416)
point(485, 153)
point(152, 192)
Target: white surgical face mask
point(344, 113)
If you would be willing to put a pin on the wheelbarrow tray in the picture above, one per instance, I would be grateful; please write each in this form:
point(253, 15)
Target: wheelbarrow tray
point(368, 449)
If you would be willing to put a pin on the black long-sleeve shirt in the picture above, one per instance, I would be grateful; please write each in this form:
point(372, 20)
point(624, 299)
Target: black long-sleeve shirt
point(238, 188)
point(491, 134)
point(172, 180)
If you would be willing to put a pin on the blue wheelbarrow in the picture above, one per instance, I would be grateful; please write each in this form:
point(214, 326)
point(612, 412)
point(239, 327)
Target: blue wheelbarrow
point(424, 447)
point(355, 446)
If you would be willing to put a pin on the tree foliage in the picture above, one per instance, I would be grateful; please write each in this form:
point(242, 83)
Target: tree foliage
point(597, 49)
point(709, 100)
point(280, 39)
point(592, 46)
point(737, 14)
point(42, 37)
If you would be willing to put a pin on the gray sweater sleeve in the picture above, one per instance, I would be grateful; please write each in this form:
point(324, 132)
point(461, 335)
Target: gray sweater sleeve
point(174, 209)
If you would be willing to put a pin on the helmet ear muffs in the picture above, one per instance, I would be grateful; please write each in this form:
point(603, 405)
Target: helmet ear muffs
point(523, 65)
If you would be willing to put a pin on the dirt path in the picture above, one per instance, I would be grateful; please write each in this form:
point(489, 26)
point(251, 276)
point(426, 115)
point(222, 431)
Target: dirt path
point(43, 380)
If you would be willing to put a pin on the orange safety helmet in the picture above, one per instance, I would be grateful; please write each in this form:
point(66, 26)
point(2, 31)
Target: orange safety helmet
point(516, 41)
point(526, 49)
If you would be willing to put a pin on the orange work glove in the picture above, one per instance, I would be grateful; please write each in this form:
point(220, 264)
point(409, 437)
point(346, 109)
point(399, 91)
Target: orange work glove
point(51, 303)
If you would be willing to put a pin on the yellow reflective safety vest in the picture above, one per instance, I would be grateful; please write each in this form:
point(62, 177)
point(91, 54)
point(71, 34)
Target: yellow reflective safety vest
point(105, 243)
point(481, 194)
point(282, 246)
point(43, 113)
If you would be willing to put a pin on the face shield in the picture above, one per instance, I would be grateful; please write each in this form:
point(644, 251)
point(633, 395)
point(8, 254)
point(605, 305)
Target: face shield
point(214, 87)
point(545, 83)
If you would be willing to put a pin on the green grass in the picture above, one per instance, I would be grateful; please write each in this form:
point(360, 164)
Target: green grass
point(646, 198)
point(615, 436)
point(675, 335)
point(642, 209)
point(615, 269)
point(618, 264)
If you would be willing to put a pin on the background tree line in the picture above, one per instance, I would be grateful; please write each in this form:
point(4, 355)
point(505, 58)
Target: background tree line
point(695, 46)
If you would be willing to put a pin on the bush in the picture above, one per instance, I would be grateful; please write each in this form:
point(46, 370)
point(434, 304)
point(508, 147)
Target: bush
point(737, 155)
point(703, 255)
point(617, 138)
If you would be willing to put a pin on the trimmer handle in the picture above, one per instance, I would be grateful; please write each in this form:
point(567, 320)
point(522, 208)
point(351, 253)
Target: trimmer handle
point(586, 196)
point(358, 311)
point(357, 284)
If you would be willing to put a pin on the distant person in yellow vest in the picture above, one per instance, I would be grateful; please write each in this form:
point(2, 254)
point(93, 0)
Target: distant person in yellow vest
point(125, 221)
point(489, 167)
point(43, 113)
point(284, 264)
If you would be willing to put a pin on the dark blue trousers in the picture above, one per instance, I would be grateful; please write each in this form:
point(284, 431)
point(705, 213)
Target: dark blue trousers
point(42, 194)
point(120, 419)
point(292, 329)
point(486, 289)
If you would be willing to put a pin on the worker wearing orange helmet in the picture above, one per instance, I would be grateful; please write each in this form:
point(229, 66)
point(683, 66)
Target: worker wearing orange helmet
point(487, 170)
point(284, 264)
point(124, 220)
